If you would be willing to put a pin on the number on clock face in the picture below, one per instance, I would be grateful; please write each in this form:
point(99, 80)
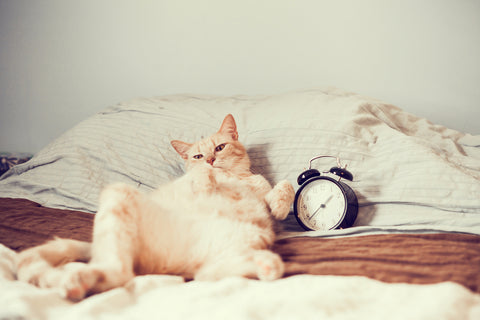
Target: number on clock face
point(321, 204)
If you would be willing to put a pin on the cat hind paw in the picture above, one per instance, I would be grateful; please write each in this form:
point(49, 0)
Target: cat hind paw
point(80, 281)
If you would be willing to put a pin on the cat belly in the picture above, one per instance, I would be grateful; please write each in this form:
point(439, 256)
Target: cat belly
point(182, 237)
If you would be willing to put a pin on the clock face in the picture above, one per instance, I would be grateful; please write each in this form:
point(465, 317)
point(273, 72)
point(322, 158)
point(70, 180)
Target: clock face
point(321, 204)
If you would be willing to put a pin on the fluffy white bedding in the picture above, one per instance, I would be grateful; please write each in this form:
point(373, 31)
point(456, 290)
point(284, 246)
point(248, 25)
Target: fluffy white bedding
point(297, 297)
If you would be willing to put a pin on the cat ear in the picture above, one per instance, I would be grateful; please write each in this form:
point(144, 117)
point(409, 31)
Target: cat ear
point(181, 147)
point(229, 127)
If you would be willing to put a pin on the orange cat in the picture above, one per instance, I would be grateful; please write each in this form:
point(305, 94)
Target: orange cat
point(213, 222)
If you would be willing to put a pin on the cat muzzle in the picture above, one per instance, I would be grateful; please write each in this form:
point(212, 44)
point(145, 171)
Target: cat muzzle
point(210, 160)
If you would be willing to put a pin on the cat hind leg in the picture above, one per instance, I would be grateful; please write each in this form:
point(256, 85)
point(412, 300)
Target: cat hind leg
point(259, 264)
point(42, 265)
point(115, 236)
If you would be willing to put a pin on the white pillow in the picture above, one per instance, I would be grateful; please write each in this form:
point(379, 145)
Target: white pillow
point(406, 170)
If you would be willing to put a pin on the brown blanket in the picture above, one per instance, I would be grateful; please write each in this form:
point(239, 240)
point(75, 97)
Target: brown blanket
point(408, 258)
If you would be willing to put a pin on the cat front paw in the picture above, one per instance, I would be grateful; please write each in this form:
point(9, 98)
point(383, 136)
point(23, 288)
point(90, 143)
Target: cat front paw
point(269, 265)
point(280, 198)
point(202, 179)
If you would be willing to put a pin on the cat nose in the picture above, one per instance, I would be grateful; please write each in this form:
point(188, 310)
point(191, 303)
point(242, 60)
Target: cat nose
point(210, 160)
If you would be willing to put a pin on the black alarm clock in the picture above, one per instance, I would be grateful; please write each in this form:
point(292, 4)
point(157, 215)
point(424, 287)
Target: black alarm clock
point(323, 202)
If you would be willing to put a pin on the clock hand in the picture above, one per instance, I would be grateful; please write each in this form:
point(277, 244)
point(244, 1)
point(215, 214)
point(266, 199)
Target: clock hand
point(315, 212)
point(329, 198)
point(320, 207)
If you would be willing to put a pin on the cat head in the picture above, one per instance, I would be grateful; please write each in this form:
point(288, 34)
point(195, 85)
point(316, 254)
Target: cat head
point(221, 150)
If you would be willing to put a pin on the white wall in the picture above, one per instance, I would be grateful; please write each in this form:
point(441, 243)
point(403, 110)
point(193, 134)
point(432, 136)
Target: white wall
point(61, 60)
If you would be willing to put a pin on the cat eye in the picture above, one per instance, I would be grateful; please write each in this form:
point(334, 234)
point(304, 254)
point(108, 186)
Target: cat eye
point(198, 156)
point(220, 147)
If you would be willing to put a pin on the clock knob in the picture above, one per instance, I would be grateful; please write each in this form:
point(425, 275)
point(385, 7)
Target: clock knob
point(307, 175)
point(342, 173)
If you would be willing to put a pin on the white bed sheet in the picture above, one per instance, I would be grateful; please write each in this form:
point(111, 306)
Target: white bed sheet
point(297, 297)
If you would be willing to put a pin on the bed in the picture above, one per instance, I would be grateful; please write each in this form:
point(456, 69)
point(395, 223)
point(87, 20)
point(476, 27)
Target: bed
point(413, 252)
